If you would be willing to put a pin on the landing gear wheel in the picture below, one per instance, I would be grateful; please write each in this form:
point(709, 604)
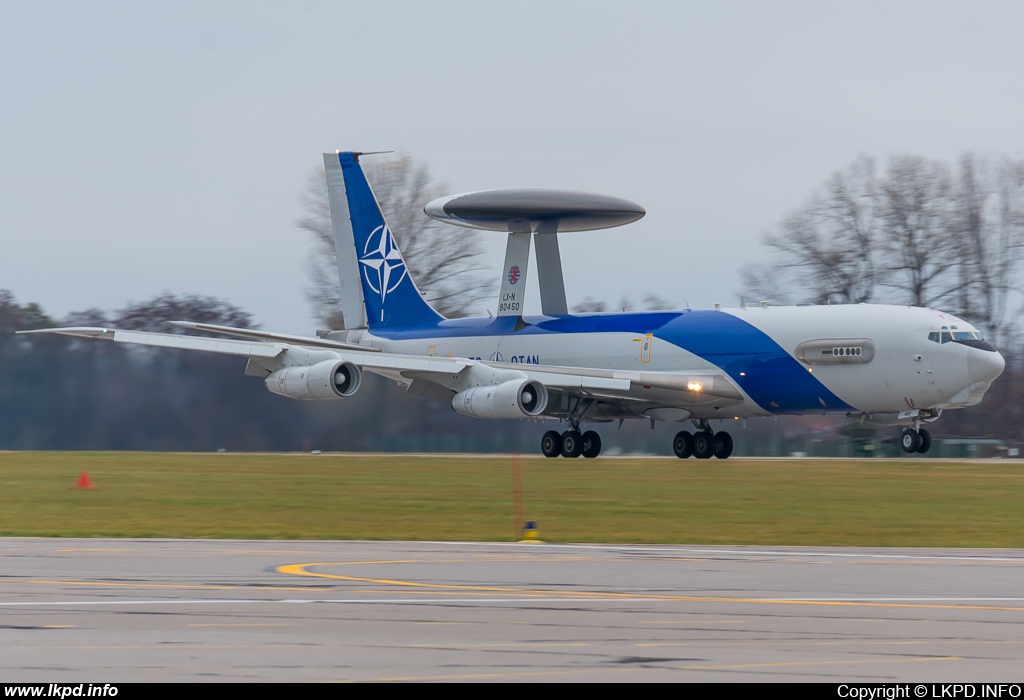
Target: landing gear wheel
point(591, 444)
point(723, 445)
point(551, 444)
point(572, 443)
point(926, 441)
point(682, 444)
point(703, 444)
point(910, 440)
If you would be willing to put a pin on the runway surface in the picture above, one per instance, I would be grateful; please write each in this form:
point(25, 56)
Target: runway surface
point(96, 610)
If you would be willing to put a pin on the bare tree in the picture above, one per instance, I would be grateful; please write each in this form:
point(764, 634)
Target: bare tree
point(154, 314)
point(768, 282)
point(989, 228)
point(918, 238)
point(918, 234)
point(445, 261)
point(656, 302)
point(590, 305)
point(828, 247)
point(651, 302)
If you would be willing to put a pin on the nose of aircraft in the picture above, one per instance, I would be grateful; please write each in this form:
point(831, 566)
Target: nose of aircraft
point(984, 365)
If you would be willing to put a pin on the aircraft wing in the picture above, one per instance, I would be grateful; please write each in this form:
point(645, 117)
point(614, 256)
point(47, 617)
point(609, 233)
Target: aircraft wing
point(169, 340)
point(657, 388)
point(368, 358)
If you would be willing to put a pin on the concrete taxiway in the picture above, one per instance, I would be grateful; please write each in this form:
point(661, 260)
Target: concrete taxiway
point(104, 611)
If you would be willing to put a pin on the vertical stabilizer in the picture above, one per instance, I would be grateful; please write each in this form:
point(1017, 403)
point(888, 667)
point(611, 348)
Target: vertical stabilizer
point(352, 306)
point(389, 295)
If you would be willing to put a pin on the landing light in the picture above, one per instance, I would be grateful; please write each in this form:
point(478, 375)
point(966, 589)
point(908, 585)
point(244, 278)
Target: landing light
point(694, 386)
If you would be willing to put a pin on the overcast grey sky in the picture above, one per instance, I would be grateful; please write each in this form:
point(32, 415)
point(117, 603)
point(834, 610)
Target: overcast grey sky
point(148, 147)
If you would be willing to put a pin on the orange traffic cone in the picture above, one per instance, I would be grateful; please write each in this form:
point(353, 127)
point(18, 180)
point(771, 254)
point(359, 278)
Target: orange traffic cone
point(84, 482)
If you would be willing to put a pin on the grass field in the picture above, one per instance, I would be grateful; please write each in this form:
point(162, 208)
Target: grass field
point(914, 503)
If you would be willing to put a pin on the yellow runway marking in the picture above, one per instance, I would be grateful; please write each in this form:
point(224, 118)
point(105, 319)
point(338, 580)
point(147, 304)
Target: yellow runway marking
point(304, 570)
point(385, 561)
point(163, 647)
point(173, 586)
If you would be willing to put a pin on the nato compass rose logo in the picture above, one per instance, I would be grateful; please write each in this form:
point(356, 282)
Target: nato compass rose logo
point(513, 274)
point(382, 264)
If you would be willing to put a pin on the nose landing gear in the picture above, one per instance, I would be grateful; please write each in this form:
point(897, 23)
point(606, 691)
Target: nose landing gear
point(919, 440)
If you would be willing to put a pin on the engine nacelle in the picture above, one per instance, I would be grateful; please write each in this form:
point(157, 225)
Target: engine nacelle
point(332, 379)
point(517, 398)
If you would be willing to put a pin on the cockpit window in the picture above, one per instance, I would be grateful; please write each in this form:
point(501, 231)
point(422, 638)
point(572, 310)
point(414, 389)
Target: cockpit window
point(963, 335)
point(952, 334)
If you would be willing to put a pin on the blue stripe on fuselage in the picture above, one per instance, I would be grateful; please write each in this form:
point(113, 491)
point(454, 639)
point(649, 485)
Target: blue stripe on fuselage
point(775, 380)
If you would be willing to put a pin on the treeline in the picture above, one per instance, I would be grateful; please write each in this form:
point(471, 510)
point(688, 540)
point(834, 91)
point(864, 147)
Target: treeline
point(920, 232)
point(64, 393)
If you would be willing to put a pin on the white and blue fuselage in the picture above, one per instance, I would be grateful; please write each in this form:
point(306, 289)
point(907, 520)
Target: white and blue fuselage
point(903, 363)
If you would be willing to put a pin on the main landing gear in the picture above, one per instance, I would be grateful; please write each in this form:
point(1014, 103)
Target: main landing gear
point(915, 440)
point(571, 443)
point(703, 444)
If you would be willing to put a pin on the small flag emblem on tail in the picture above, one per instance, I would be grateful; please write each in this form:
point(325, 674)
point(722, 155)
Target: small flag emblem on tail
point(513, 274)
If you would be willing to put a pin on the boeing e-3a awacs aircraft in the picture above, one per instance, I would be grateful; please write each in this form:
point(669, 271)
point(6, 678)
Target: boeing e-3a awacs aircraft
point(887, 364)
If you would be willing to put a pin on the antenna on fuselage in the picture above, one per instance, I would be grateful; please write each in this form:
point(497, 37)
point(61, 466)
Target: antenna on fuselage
point(540, 215)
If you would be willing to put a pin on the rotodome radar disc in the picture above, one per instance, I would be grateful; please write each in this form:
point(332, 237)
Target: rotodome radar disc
point(544, 211)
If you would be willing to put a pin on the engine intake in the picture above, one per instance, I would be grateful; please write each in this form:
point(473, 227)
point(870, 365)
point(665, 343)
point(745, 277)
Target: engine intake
point(332, 379)
point(517, 398)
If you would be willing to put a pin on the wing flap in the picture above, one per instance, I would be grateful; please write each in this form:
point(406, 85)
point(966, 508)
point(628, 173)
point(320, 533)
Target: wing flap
point(577, 381)
point(280, 337)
